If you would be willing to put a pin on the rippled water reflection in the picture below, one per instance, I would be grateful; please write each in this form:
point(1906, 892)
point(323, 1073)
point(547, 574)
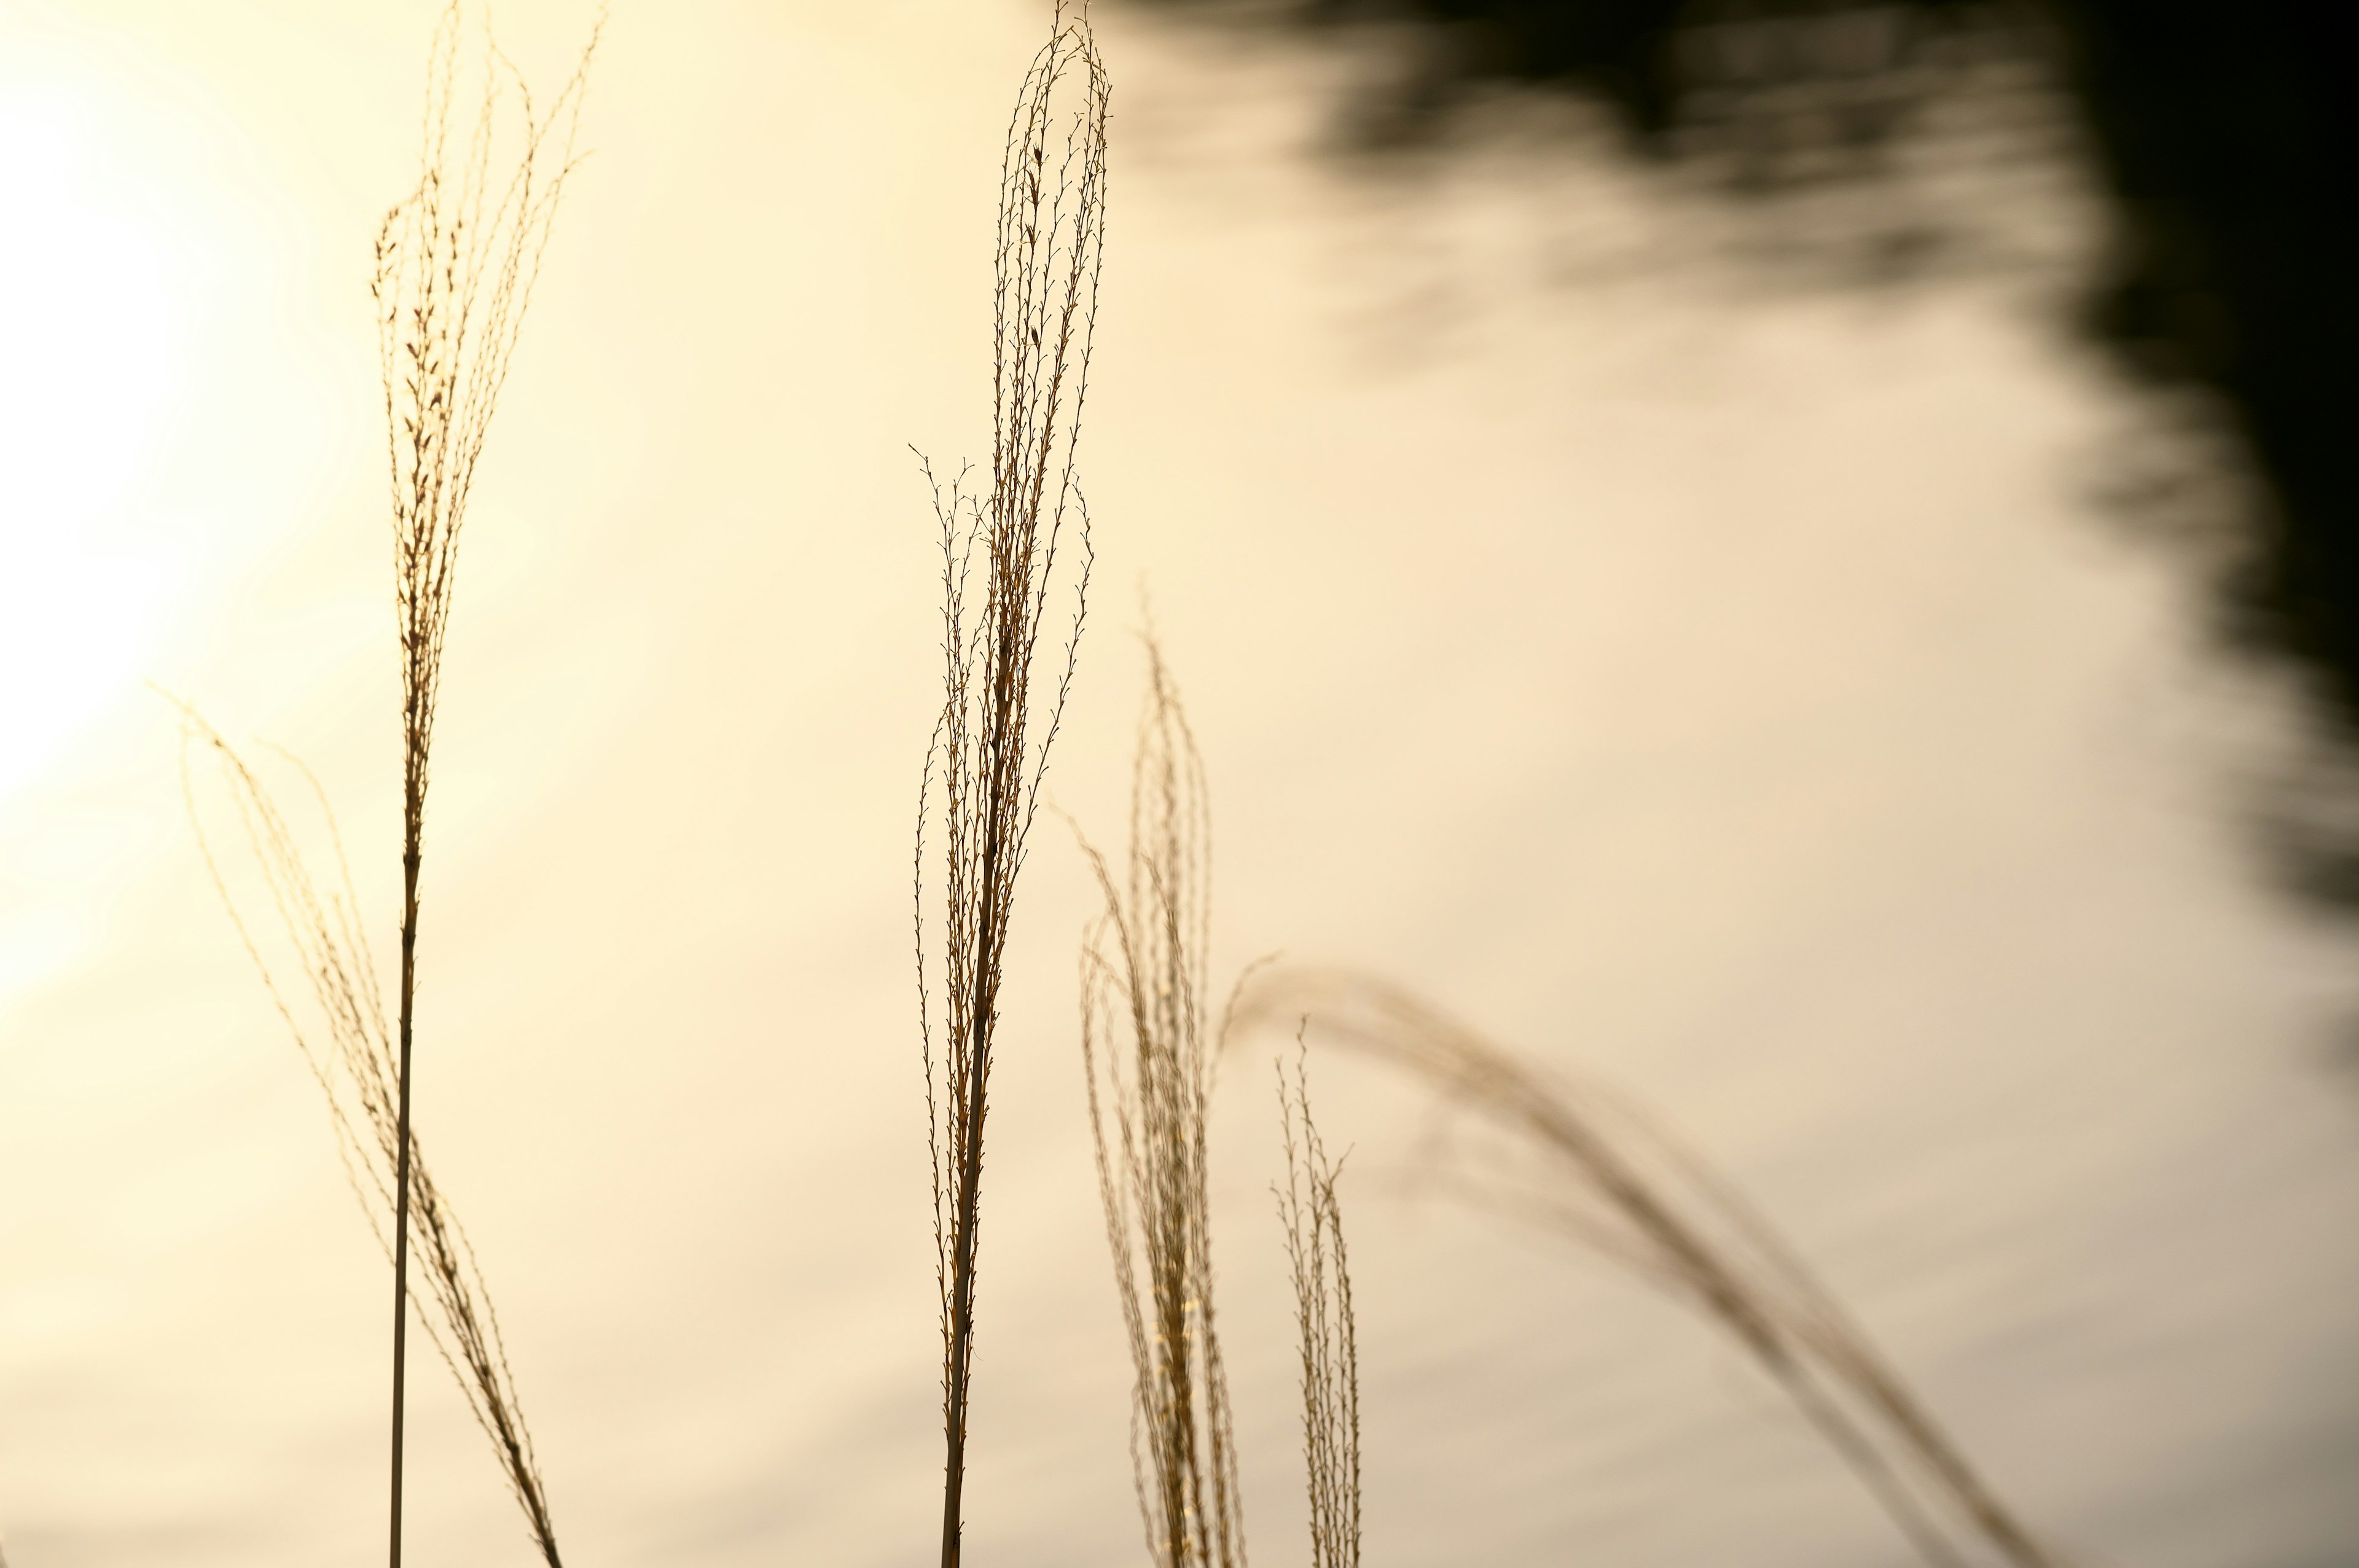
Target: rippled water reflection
point(1733, 690)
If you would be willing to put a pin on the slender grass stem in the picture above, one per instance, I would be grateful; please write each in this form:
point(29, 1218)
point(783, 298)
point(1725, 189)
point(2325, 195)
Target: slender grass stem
point(455, 264)
point(981, 778)
point(349, 1046)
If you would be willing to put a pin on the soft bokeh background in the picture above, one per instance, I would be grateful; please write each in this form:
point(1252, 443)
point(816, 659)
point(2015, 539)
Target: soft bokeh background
point(1724, 681)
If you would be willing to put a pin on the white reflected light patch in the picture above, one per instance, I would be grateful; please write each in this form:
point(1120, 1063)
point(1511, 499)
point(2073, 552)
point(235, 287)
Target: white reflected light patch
point(89, 351)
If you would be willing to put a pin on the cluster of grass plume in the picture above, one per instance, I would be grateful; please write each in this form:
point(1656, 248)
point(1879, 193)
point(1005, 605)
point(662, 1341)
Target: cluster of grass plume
point(990, 748)
point(454, 268)
point(1149, 1046)
point(1615, 1180)
point(1148, 1050)
point(1325, 1328)
point(1610, 1176)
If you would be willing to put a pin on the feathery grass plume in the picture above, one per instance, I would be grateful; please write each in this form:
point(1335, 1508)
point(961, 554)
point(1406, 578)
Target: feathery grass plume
point(1323, 1317)
point(1620, 1183)
point(985, 765)
point(1144, 1052)
point(351, 1052)
point(456, 262)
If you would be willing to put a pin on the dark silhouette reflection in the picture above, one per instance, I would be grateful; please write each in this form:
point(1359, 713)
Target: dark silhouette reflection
point(2222, 138)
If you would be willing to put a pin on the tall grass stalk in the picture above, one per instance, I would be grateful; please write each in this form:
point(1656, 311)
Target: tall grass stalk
point(456, 262)
point(983, 768)
point(1620, 1183)
point(1326, 1330)
point(1147, 1049)
point(351, 1051)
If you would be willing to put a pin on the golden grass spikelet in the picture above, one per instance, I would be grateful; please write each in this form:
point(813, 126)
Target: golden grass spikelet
point(1617, 1181)
point(1326, 1329)
point(981, 777)
point(1147, 1049)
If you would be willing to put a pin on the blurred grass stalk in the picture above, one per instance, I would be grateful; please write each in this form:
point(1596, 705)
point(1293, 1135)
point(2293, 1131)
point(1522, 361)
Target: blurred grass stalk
point(1148, 1047)
point(1144, 1053)
point(1621, 1185)
point(1325, 1327)
point(984, 764)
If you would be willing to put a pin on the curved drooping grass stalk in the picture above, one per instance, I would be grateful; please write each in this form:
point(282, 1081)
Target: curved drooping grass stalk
point(351, 1052)
point(456, 262)
point(985, 765)
point(1621, 1185)
point(1325, 1327)
point(1147, 1048)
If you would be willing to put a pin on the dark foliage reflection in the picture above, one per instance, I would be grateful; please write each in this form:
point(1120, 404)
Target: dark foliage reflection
point(2223, 140)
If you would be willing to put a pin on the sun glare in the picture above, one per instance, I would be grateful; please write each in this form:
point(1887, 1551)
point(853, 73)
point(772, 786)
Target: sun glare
point(86, 369)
